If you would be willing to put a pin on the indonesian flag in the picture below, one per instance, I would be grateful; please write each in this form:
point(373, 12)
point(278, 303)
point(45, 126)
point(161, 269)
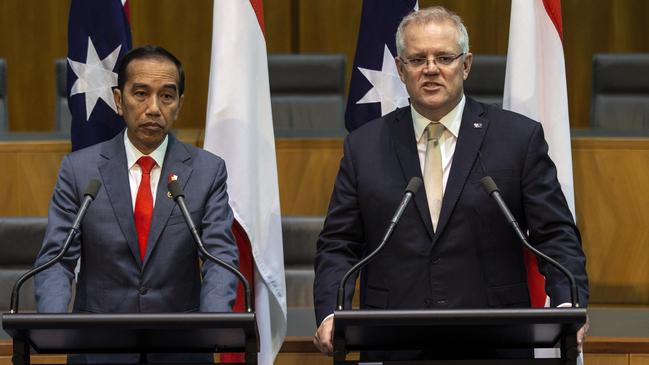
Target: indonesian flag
point(239, 128)
point(535, 85)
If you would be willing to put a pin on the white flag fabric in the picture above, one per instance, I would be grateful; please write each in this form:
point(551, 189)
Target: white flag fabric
point(535, 81)
point(535, 86)
point(239, 128)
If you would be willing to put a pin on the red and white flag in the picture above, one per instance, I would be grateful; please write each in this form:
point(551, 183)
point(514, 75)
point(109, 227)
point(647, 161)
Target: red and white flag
point(239, 128)
point(535, 85)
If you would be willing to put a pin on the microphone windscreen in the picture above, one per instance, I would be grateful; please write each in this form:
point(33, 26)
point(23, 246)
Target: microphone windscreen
point(489, 184)
point(92, 188)
point(414, 184)
point(175, 189)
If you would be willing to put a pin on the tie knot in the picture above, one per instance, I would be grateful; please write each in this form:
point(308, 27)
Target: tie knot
point(434, 130)
point(146, 164)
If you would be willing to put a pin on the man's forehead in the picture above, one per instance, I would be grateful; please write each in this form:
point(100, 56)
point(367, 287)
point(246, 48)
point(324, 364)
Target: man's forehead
point(146, 70)
point(436, 34)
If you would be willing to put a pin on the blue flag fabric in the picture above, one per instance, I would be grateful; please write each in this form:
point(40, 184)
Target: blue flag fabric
point(375, 87)
point(98, 35)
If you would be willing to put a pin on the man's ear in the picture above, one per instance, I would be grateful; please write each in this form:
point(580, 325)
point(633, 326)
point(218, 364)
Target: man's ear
point(466, 64)
point(400, 66)
point(180, 105)
point(117, 96)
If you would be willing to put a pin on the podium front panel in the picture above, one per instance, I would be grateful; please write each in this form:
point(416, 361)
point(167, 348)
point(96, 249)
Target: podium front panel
point(173, 332)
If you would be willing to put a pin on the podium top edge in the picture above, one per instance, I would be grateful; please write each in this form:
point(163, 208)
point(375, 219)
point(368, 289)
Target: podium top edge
point(533, 314)
point(13, 320)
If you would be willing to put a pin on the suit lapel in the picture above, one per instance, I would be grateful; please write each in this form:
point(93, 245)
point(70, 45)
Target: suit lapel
point(405, 146)
point(114, 174)
point(174, 164)
point(472, 131)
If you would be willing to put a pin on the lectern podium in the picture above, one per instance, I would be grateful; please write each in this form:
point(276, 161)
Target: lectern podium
point(470, 336)
point(132, 333)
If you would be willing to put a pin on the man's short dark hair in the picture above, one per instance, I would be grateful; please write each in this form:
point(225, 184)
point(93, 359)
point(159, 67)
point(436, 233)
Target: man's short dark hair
point(148, 52)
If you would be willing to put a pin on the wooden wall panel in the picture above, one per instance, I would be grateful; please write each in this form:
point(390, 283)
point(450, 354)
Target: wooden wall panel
point(611, 26)
point(33, 34)
point(184, 28)
point(33, 169)
point(307, 170)
point(610, 186)
point(281, 25)
point(610, 191)
point(606, 359)
point(639, 359)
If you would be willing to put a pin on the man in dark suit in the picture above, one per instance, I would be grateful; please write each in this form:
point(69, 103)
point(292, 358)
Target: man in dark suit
point(137, 254)
point(452, 247)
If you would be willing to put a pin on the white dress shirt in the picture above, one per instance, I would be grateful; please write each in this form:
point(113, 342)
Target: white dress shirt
point(448, 140)
point(134, 170)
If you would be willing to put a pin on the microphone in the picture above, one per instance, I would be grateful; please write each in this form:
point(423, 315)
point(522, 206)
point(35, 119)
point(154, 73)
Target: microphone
point(489, 185)
point(178, 195)
point(413, 186)
point(88, 196)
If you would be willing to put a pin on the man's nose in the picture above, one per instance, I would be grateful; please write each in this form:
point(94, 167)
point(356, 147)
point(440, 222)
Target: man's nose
point(431, 66)
point(154, 106)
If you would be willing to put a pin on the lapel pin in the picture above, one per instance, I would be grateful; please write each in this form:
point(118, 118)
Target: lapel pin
point(477, 125)
point(170, 178)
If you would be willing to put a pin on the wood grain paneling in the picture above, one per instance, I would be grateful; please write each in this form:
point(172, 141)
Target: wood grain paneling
point(611, 26)
point(307, 170)
point(33, 34)
point(184, 28)
point(281, 26)
point(606, 359)
point(610, 186)
point(639, 359)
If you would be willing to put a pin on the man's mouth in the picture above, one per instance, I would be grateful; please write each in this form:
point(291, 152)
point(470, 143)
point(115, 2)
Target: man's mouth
point(431, 86)
point(151, 126)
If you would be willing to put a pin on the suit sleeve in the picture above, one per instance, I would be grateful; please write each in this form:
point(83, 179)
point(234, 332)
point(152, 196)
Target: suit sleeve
point(218, 290)
point(53, 286)
point(341, 242)
point(551, 225)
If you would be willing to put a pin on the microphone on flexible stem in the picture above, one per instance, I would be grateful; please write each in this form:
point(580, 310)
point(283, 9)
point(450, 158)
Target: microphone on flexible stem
point(492, 190)
point(88, 196)
point(179, 197)
point(413, 186)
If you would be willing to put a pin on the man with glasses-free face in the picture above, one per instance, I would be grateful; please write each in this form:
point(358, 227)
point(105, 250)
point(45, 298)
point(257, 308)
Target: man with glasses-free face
point(452, 248)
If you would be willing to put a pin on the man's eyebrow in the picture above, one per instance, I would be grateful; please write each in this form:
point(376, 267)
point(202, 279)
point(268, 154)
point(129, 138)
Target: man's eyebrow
point(174, 87)
point(137, 85)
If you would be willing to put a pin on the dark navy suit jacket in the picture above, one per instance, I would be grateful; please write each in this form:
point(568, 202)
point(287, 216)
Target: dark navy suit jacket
point(474, 260)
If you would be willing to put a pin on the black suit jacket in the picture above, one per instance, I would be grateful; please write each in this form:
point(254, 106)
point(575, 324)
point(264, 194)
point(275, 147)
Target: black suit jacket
point(474, 260)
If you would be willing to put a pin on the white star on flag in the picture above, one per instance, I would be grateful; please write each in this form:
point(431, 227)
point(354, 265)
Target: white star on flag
point(387, 86)
point(95, 78)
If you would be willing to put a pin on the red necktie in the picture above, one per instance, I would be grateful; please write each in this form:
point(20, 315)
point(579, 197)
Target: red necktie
point(144, 204)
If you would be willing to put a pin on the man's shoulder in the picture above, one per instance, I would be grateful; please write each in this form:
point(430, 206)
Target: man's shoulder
point(506, 118)
point(200, 155)
point(376, 126)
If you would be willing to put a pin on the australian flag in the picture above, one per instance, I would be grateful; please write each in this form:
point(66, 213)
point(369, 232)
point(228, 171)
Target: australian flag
point(98, 35)
point(375, 88)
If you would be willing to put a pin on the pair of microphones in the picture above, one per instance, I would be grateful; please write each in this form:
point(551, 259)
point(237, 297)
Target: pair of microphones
point(490, 187)
point(89, 195)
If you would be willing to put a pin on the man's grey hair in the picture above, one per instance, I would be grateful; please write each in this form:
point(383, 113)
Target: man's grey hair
point(435, 14)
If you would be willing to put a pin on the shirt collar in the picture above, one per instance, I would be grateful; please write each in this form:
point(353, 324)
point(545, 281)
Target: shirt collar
point(451, 121)
point(133, 154)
